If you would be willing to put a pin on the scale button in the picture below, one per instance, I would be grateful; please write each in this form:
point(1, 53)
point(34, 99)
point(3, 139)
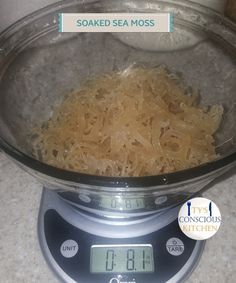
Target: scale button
point(160, 200)
point(175, 246)
point(84, 198)
point(69, 248)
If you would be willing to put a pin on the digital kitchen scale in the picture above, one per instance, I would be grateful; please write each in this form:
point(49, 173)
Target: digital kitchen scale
point(129, 247)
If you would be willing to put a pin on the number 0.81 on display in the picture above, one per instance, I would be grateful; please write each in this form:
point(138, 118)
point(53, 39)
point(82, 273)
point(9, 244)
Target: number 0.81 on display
point(121, 258)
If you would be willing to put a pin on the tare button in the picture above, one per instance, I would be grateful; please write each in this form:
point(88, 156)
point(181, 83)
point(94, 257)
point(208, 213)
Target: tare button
point(69, 248)
point(175, 246)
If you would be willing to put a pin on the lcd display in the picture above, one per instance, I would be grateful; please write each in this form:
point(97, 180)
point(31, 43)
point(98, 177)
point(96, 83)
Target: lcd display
point(121, 258)
point(122, 204)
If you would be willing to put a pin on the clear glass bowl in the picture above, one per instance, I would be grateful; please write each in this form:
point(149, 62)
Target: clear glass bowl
point(39, 66)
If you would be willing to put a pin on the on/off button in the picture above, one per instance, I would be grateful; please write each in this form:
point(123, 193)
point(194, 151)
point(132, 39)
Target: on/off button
point(69, 248)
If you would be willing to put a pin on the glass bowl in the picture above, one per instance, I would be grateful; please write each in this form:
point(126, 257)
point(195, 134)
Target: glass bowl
point(39, 66)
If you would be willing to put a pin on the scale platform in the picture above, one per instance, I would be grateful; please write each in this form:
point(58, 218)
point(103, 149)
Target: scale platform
point(82, 247)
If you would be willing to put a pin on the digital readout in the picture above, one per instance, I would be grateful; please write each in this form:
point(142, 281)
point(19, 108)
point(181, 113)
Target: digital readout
point(119, 203)
point(121, 258)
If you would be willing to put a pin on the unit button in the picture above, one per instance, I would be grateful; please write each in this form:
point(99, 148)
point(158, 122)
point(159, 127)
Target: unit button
point(69, 248)
point(175, 246)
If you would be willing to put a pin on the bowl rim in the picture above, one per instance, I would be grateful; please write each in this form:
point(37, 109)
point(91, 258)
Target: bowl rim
point(104, 181)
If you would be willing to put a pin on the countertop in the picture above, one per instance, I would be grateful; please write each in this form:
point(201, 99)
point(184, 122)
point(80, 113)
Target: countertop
point(21, 260)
